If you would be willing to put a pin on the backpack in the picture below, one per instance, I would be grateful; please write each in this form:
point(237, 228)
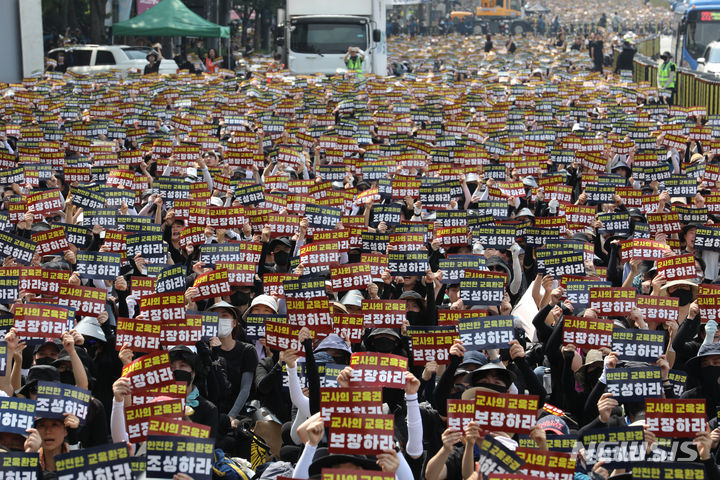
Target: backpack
point(226, 468)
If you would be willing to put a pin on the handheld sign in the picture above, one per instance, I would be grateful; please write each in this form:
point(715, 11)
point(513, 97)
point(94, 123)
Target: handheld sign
point(709, 302)
point(361, 434)
point(38, 320)
point(85, 300)
point(212, 284)
point(104, 461)
point(168, 455)
point(505, 412)
point(482, 333)
point(177, 428)
point(658, 309)
point(23, 465)
point(431, 344)
point(638, 345)
point(18, 414)
point(54, 400)
point(675, 417)
point(679, 267)
point(98, 265)
point(587, 332)
point(372, 369)
point(142, 335)
point(460, 413)
point(149, 371)
point(138, 417)
point(556, 465)
point(482, 291)
point(384, 313)
point(615, 446)
point(612, 301)
point(495, 457)
point(634, 384)
point(362, 401)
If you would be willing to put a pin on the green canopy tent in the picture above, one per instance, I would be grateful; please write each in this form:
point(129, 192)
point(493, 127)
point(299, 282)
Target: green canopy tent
point(171, 18)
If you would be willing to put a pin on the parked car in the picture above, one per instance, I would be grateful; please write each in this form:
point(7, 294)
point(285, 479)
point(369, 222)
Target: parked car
point(710, 61)
point(89, 59)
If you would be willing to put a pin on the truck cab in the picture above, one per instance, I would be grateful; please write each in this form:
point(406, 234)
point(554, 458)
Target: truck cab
point(316, 36)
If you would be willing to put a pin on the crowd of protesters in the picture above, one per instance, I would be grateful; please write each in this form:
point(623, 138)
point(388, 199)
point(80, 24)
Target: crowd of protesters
point(517, 231)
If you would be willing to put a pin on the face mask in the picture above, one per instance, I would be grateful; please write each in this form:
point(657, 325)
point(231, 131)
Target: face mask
point(413, 317)
point(182, 376)
point(282, 258)
point(323, 357)
point(44, 361)
point(684, 296)
point(224, 327)
point(709, 377)
point(341, 360)
point(67, 377)
point(383, 345)
point(493, 387)
point(240, 298)
point(353, 258)
point(699, 279)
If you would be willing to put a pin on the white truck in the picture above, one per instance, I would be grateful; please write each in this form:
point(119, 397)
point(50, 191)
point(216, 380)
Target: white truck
point(314, 35)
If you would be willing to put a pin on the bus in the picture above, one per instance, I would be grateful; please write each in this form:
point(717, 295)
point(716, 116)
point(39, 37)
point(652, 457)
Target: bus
point(698, 26)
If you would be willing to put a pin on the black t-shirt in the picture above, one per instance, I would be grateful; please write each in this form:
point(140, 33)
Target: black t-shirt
point(242, 358)
point(488, 45)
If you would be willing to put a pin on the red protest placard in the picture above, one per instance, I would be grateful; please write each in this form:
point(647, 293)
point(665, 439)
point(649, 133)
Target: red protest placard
point(612, 301)
point(363, 401)
point(578, 216)
point(349, 326)
point(43, 281)
point(453, 317)
point(377, 261)
point(149, 371)
point(354, 474)
point(587, 332)
point(115, 241)
point(675, 417)
point(361, 434)
point(664, 223)
point(43, 203)
point(351, 276)
point(239, 273)
point(273, 283)
point(176, 390)
point(193, 235)
point(320, 254)
point(313, 313)
point(548, 464)
point(506, 412)
point(142, 335)
point(452, 236)
point(460, 413)
point(643, 249)
point(679, 267)
point(282, 336)
point(212, 284)
point(709, 302)
point(142, 286)
point(85, 300)
point(159, 307)
point(371, 369)
point(432, 344)
point(658, 309)
point(283, 225)
point(50, 241)
point(36, 320)
point(177, 428)
point(384, 313)
point(186, 332)
point(137, 417)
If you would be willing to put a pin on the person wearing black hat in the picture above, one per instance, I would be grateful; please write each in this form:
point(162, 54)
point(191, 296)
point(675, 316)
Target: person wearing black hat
point(184, 365)
point(154, 65)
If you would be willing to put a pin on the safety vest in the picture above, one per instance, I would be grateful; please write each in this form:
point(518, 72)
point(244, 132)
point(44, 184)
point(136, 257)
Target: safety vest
point(354, 64)
point(664, 72)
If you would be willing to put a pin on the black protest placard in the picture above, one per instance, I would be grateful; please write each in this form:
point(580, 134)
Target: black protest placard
point(168, 455)
point(104, 461)
point(98, 265)
point(408, 264)
point(634, 384)
point(638, 345)
point(482, 333)
point(391, 214)
point(171, 279)
point(55, 400)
